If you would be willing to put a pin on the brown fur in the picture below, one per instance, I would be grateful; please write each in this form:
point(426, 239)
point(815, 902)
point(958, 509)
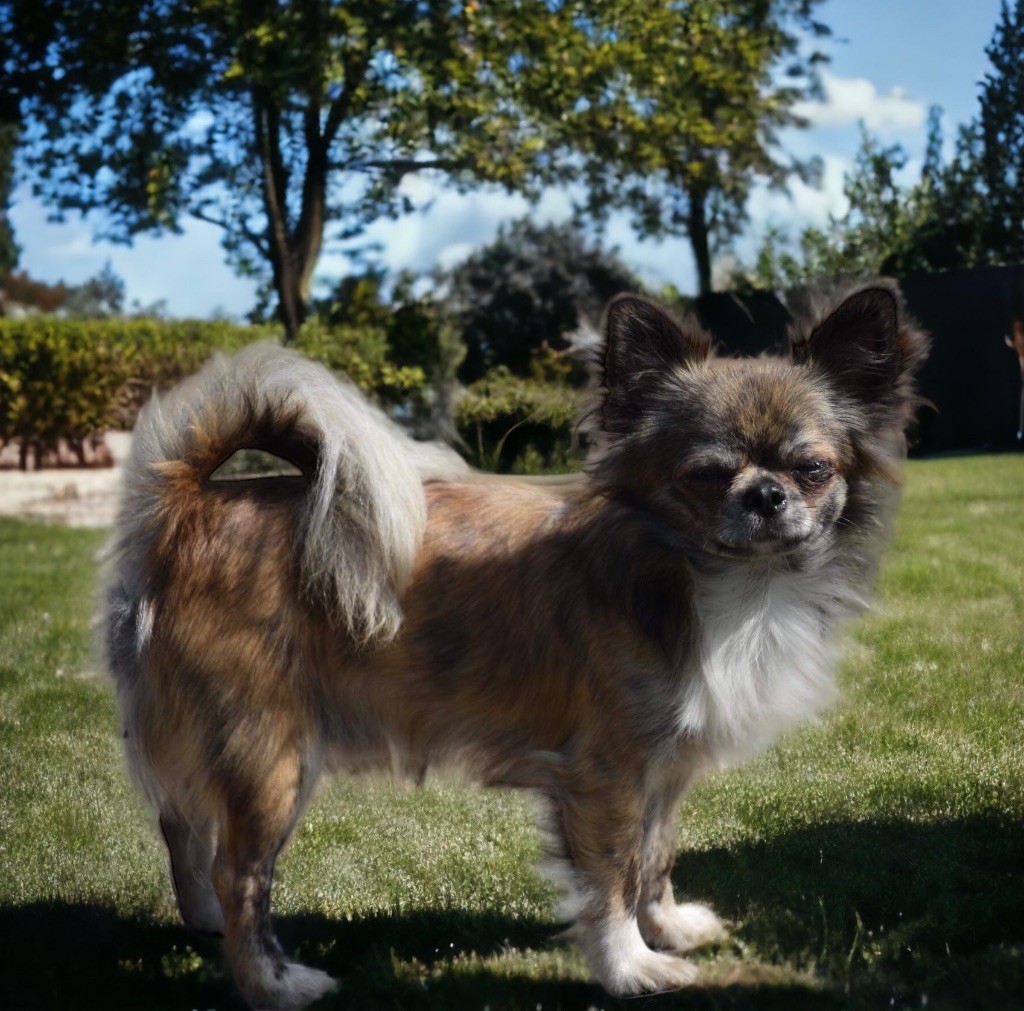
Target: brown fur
point(550, 633)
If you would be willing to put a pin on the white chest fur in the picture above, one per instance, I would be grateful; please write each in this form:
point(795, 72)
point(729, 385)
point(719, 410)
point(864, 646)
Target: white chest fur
point(767, 654)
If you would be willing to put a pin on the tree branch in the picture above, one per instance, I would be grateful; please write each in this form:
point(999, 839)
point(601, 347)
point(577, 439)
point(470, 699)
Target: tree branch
point(257, 240)
point(355, 72)
point(399, 167)
point(265, 126)
point(309, 229)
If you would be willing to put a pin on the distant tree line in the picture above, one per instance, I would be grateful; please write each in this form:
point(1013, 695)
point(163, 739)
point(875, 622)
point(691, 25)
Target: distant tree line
point(964, 211)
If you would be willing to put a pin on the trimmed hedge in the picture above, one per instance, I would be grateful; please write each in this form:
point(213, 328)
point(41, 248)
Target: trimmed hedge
point(68, 379)
point(58, 382)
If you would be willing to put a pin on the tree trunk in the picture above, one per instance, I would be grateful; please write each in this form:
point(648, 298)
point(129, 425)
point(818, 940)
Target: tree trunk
point(287, 280)
point(293, 252)
point(697, 230)
point(309, 232)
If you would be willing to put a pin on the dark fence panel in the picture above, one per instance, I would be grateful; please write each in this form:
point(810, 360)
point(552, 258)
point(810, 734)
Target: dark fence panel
point(746, 323)
point(971, 376)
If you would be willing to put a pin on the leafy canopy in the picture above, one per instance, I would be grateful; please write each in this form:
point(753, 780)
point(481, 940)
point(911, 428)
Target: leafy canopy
point(964, 212)
point(285, 122)
point(694, 97)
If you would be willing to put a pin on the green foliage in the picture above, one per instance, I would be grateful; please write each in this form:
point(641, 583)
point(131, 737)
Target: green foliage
point(283, 123)
point(687, 109)
point(418, 336)
point(527, 290)
point(409, 325)
point(505, 418)
point(1000, 136)
point(58, 382)
point(968, 212)
point(891, 227)
point(872, 860)
point(500, 394)
point(362, 354)
point(291, 124)
point(70, 378)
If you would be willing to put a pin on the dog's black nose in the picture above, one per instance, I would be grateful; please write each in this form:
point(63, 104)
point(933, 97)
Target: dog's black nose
point(766, 498)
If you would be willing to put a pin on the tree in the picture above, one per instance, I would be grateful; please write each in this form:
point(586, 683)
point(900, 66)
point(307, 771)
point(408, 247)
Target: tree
point(689, 111)
point(893, 226)
point(964, 212)
point(525, 291)
point(100, 297)
point(999, 141)
point(9, 250)
point(287, 123)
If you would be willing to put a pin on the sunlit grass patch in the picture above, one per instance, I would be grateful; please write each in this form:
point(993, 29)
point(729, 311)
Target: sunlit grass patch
point(873, 860)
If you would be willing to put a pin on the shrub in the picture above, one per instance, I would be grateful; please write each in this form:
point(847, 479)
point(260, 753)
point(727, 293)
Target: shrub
point(68, 379)
point(519, 424)
point(58, 381)
point(363, 355)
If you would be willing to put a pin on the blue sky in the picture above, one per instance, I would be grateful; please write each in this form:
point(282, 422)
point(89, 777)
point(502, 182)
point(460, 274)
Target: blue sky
point(891, 60)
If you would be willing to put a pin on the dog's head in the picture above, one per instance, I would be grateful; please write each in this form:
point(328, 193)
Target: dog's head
point(755, 457)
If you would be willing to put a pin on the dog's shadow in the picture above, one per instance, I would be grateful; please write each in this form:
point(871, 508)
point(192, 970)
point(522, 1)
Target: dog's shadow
point(867, 913)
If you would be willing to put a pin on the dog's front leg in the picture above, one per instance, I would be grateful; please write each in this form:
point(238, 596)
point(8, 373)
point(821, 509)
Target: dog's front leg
point(664, 923)
point(604, 834)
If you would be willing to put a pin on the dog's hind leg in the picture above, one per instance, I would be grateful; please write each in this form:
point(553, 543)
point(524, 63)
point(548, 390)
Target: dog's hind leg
point(190, 845)
point(259, 818)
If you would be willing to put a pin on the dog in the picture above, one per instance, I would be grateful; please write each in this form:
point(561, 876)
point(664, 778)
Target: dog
point(598, 640)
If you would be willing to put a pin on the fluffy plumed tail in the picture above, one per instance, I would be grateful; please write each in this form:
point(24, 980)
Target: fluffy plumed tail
point(363, 510)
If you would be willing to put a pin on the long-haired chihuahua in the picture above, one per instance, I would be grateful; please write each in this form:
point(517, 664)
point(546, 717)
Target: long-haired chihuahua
point(598, 641)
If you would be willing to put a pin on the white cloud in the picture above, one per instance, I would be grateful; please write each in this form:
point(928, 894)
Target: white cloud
point(801, 205)
point(452, 226)
point(849, 99)
point(187, 270)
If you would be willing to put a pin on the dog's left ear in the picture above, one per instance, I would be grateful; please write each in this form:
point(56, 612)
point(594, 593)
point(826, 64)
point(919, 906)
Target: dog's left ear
point(868, 350)
point(642, 344)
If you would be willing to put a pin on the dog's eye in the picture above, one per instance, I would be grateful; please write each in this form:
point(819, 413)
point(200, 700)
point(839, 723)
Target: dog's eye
point(709, 474)
point(814, 471)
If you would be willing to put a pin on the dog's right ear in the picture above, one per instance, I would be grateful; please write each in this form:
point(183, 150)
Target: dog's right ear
point(641, 343)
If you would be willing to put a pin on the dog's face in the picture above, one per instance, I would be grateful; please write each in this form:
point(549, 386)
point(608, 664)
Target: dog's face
point(757, 458)
point(752, 458)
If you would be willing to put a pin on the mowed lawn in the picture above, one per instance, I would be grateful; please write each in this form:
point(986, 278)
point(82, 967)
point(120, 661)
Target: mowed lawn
point(874, 860)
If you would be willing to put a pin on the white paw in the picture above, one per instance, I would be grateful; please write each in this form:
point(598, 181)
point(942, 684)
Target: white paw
point(621, 962)
point(294, 988)
point(649, 972)
point(683, 927)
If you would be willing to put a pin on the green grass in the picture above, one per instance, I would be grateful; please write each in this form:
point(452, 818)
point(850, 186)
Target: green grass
point(874, 860)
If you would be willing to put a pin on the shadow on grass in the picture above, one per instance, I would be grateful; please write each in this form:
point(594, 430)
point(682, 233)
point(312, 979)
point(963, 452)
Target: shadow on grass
point(890, 913)
point(884, 912)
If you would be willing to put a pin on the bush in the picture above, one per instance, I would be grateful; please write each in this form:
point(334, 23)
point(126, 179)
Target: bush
point(59, 381)
point(524, 425)
point(68, 379)
point(363, 355)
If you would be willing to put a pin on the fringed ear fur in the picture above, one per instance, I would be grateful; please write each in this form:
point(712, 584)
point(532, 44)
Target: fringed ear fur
point(869, 351)
point(642, 343)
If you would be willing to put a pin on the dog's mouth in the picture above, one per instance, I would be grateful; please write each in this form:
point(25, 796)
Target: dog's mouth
point(760, 547)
